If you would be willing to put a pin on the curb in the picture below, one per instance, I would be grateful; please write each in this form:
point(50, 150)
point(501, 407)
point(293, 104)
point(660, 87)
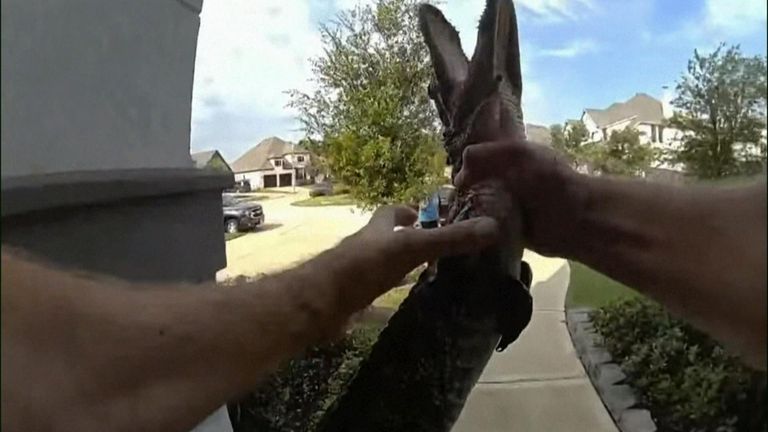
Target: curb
point(606, 376)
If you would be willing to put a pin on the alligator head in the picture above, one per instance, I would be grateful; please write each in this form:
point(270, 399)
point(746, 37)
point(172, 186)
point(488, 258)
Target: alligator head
point(479, 100)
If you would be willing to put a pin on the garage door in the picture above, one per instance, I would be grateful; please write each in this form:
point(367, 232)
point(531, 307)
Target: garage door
point(270, 181)
point(286, 180)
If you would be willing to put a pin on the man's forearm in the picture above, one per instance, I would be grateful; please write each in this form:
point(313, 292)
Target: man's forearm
point(246, 331)
point(178, 352)
point(682, 246)
point(160, 357)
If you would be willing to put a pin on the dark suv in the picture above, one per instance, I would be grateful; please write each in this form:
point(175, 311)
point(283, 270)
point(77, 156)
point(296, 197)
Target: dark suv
point(240, 186)
point(239, 216)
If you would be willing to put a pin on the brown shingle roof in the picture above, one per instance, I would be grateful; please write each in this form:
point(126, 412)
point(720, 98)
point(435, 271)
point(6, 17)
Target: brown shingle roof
point(642, 108)
point(257, 158)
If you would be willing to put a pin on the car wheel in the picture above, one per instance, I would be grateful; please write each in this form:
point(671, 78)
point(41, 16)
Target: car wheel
point(230, 226)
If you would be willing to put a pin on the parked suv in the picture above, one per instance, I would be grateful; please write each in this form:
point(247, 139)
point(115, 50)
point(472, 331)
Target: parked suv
point(240, 186)
point(240, 216)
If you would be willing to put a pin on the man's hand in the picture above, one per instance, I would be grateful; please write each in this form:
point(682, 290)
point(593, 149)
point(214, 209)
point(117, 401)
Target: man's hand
point(548, 190)
point(643, 233)
point(386, 249)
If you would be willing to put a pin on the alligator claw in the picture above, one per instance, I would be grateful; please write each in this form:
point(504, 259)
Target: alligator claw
point(526, 275)
point(515, 308)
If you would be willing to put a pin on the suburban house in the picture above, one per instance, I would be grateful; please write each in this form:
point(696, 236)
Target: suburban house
point(274, 163)
point(210, 160)
point(538, 134)
point(641, 112)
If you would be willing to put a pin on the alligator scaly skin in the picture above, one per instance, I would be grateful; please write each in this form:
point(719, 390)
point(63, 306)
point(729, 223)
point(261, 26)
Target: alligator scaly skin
point(434, 348)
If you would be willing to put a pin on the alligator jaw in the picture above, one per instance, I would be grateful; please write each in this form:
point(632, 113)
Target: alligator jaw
point(479, 100)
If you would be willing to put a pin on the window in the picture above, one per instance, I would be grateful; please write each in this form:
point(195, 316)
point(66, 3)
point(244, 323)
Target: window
point(299, 158)
point(278, 163)
point(661, 133)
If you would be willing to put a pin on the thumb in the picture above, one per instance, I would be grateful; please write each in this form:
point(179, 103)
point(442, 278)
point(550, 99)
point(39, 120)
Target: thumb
point(456, 239)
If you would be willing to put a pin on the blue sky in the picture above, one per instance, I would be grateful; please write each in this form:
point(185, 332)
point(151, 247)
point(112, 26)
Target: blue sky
point(576, 54)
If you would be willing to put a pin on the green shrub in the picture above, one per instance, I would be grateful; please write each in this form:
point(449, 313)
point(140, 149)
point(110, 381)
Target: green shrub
point(687, 380)
point(296, 396)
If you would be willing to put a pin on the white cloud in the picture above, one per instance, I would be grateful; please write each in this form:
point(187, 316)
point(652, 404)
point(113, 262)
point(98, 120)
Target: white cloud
point(248, 54)
point(548, 10)
point(572, 49)
point(464, 14)
point(719, 20)
point(735, 17)
point(558, 10)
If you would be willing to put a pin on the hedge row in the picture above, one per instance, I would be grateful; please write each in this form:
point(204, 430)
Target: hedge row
point(687, 380)
point(296, 396)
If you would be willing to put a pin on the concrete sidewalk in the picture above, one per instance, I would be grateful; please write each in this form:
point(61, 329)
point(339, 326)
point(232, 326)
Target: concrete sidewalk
point(538, 382)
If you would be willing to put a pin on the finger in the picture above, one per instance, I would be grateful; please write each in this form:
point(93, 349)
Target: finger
point(456, 239)
point(489, 159)
point(404, 215)
point(391, 216)
point(479, 161)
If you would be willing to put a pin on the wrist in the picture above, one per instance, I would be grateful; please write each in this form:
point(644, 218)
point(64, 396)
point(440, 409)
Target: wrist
point(580, 193)
point(556, 222)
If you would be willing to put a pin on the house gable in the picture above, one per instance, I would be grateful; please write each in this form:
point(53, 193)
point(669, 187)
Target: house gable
point(218, 163)
point(212, 160)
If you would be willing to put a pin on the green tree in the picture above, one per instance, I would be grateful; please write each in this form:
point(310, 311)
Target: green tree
point(569, 139)
point(621, 154)
point(370, 118)
point(722, 112)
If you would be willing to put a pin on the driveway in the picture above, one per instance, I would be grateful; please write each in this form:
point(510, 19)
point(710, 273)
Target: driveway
point(290, 235)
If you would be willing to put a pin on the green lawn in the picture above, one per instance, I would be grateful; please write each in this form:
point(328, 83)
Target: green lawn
point(332, 200)
point(249, 198)
point(589, 288)
point(392, 298)
point(281, 191)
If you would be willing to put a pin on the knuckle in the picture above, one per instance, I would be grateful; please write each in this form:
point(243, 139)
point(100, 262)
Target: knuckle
point(469, 155)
